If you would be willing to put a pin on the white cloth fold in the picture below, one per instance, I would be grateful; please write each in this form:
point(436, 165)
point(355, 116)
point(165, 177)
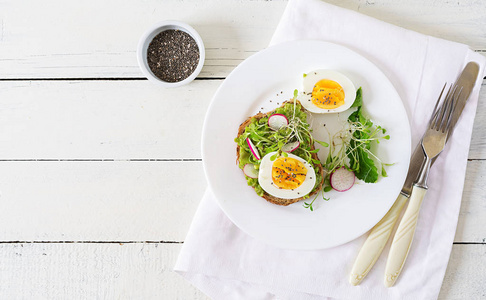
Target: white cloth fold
point(225, 263)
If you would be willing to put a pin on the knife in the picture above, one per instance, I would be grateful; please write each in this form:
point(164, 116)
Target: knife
point(380, 233)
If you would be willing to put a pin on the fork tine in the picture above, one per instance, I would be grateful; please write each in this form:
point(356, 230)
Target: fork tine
point(444, 115)
point(437, 107)
point(434, 111)
point(437, 116)
point(446, 109)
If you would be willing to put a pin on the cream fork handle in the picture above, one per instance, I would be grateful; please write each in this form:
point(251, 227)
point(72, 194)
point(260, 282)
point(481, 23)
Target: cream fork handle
point(376, 241)
point(403, 237)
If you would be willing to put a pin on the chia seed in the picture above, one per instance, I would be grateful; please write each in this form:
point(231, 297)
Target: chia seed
point(173, 55)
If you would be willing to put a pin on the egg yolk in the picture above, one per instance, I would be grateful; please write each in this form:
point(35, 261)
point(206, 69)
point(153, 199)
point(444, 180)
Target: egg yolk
point(327, 94)
point(288, 173)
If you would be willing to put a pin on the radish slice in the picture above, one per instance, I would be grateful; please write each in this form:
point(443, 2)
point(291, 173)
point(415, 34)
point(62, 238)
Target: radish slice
point(253, 149)
point(289, 147)
point(342, 179)
point(250, 171)
point(277, 121)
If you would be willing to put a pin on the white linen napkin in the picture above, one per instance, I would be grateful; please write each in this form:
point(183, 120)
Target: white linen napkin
point(225, 263)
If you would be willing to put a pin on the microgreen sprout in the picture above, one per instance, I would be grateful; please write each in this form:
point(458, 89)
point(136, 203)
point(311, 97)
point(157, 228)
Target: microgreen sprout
point(351, 147)
point(297, 130)
point(309, 204)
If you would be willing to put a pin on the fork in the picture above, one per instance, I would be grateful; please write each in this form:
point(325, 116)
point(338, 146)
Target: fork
point(433, 143)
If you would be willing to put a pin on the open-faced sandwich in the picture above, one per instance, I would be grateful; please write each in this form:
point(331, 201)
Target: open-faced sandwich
point(276, 152)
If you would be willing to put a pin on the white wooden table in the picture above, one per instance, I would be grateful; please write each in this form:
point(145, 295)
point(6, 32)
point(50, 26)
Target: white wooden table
point(100, 171)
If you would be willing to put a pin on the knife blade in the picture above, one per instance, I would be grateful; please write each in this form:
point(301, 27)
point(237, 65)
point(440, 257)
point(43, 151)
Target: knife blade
point(380, 233)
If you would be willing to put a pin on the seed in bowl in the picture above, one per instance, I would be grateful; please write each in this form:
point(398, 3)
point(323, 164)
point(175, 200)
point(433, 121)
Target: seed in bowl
point(173, 55)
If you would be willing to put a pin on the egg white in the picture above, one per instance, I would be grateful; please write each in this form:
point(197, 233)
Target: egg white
point(313, 77)
point(266, 182)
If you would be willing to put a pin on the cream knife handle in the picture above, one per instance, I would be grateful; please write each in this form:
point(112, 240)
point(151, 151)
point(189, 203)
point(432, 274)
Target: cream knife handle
point(403, 237)
point(376, 241)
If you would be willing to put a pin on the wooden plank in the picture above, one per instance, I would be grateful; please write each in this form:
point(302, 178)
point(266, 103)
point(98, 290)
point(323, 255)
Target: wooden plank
point(119, 120)
point(102, 119)
point(99, 201)
point(466, 273)
point(92, 271)
point(472, 217)
point(144, 271)
point(139, 201)
point(83, 40)
point(99, 38)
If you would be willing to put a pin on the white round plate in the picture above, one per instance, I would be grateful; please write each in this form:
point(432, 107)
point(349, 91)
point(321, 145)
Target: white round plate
point(262, 83)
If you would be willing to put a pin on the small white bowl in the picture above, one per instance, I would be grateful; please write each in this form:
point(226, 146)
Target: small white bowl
point(149, 35)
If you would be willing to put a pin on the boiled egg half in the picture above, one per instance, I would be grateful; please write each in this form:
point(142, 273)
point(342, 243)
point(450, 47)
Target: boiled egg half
point(327, 91)
point(288, 177)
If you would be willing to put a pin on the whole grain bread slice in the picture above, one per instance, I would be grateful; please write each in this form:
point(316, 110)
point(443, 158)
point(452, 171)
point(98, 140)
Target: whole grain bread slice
point(266, 196)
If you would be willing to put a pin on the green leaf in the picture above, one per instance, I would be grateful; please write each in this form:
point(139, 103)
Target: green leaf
point(322, 143)
point(362, 165)
point(383, 172)
point(358, 101)
point(296, 93)
point(354, 117)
